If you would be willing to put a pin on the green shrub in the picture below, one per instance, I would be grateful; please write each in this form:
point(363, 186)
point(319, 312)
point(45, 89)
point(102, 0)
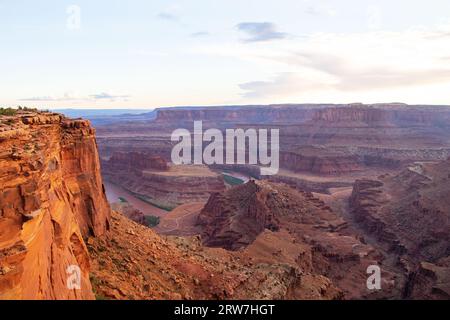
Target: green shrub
point(121, 199)
point(7, 111)
point(152, 221)
point(233, 181)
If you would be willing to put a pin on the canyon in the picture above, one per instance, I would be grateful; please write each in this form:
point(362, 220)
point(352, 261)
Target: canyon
point(321, 146)
point(359, 185)
point(409, 212)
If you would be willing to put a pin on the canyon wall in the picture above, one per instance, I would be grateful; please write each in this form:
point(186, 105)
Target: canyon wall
point(273, 222)
point(376, 114)
point(153, 180)
point(325, 139)
point(409, 212)
point(51, 200)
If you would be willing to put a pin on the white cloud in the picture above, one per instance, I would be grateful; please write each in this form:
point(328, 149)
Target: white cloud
point(358, 63)
point(171, 13)
point(260, 31)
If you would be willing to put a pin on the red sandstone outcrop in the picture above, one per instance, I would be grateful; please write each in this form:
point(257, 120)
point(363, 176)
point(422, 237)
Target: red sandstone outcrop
point(430, 281)
point(51, 198)
point(133, 262)
point(410, 213)
point(135, 161)
point(397, 209)
point(300, 228)
point(234, 219)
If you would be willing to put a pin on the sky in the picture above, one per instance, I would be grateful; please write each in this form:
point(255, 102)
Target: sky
point(147, 54)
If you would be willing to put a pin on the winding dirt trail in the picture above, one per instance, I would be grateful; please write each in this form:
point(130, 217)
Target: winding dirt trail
point(181, 221)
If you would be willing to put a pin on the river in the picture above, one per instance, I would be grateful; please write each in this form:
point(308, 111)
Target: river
point(114, 192)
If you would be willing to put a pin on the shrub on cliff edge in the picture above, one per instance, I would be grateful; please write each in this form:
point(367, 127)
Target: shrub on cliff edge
point(7, 111)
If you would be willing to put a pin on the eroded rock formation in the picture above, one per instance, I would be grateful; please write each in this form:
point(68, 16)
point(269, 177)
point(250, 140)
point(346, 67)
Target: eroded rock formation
point(328, 140)
point(410, 213)
point(301, 228)
point(133, 262)
point(51, 198)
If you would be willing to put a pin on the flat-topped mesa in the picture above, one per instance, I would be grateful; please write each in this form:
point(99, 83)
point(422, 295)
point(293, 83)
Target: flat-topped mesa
point(51, 199)
point(352, 113)
point(141, 161)
point(236, 114)
point(370, 114)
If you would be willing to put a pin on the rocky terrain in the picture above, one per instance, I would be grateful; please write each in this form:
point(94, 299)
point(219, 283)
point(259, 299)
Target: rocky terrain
point(377, 201)
point(133, 262)
point(236, 220)
point(409, 212)
point(51, 198)
point(54, 214)
point(344, 141)
point(129, 211)
point(153, 180)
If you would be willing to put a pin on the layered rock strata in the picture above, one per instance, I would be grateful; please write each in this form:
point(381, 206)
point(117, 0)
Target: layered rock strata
point(51, 199)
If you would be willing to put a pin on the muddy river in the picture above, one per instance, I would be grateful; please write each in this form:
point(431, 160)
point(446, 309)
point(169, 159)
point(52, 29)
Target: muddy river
point(114, 192)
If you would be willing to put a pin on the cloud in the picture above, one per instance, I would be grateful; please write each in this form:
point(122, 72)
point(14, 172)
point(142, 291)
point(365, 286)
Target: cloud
point(72, 98)
point(260, 31)
point(328, 72)
point(171, 13)
point(282, 84)
point(200, 34)
point(351, 77)
point(167, 16)
point(107, 96)
point(368, 62)
point(285, 84)
point(66, 97)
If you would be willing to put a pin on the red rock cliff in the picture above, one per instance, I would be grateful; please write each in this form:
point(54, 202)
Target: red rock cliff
point(51, 199)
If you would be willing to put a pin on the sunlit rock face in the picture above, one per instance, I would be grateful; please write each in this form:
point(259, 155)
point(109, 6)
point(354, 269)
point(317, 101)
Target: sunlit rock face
point(51, 199)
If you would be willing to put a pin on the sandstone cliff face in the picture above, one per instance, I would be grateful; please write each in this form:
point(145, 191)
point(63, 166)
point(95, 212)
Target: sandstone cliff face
point(317, 139)
point(234, 219)
point(51, 199)
point(378, 114)
point(135, 161)
point(250, 114)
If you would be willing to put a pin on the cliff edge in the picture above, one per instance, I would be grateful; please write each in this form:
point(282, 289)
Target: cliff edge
point(51, 199)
